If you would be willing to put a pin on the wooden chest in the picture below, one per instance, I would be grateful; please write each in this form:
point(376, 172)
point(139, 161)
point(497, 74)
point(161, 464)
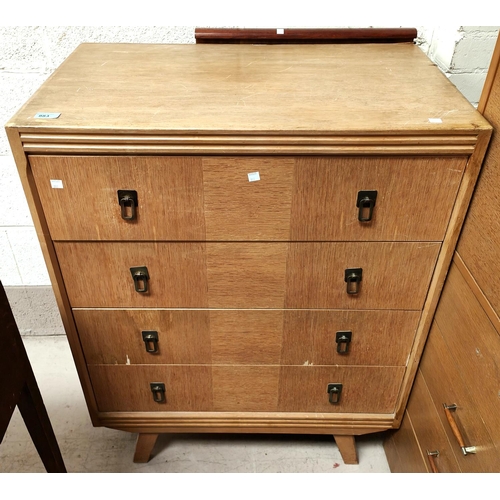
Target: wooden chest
point(248, 238)
point(452, 421)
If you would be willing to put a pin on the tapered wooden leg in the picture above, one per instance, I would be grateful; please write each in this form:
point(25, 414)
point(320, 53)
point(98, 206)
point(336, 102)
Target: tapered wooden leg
point(144, 447)
point(37, 422)
point(347, 448)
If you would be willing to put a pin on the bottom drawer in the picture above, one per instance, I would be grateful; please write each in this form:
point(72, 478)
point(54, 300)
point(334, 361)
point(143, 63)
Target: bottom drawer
point(428, 429)
point(246, 388)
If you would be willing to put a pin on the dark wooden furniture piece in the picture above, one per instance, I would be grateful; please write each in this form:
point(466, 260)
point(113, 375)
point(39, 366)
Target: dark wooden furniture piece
point(310, 36)
point(18, 387)
point(452, 422)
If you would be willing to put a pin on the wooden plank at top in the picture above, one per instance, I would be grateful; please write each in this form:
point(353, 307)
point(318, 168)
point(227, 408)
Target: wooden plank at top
point(315, 35)
point(370, 89)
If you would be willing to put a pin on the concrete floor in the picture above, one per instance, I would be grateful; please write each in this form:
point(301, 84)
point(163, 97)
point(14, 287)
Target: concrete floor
point(88, 449)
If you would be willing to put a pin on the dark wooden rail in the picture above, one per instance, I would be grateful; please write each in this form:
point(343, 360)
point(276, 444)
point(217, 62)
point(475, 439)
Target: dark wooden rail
point(290, 36)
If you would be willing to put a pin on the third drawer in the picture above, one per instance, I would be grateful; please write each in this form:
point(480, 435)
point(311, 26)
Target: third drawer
point(287, 337)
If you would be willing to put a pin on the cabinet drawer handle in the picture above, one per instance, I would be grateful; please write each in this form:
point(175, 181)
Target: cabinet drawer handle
point(334, 391)
point(353, 278)
point(432, 455)
point(343, 339)
point(158, 390)
point(456, 431)
point(150, 339)
point(366, 202)
point(128, 203)
point(140, 276)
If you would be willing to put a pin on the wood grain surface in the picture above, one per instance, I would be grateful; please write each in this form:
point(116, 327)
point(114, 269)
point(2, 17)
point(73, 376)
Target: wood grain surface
point(480, 238)
point(243, 88)
point(248, 275)
point(444, 379)
point(198, 198)
point(267, 337)
point(474, 346)
point(365, 389)
point(245, 388)
point(427, 425)
point(395, 275)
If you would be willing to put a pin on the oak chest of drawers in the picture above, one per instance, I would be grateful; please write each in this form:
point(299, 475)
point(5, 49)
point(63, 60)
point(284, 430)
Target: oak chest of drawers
point(452, 419)
point(248, 238)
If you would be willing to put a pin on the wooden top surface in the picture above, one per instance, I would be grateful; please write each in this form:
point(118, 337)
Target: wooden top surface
point(281, 89)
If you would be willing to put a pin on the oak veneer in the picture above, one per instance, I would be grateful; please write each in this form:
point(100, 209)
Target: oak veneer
point(248, 275)
point(204, 198)
point(260, 265)
point(460, 362)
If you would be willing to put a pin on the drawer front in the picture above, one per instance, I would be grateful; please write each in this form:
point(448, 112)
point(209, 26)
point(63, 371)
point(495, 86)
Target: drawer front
point(248, 275)
point(428, 428)
point(240, 199)
point(266, 337)
point(474, 346)
point(443, 377)
point(245, 388)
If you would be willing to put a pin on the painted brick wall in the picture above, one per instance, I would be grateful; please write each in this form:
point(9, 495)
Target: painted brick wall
point(28, 55)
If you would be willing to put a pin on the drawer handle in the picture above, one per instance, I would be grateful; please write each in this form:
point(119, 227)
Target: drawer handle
point(343, 339)
point(432, 455)
point(128, 203)
point(158, 390)
point(150, 339)
point(353, 278)
point(334, 391)
point(140, 276)
point(366, 203)
point(456, 431)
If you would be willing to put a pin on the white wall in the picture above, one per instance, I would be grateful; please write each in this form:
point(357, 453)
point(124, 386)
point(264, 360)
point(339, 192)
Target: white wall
point(28, 55)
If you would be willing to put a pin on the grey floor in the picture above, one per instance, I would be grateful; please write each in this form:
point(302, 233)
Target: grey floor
point(88, 449)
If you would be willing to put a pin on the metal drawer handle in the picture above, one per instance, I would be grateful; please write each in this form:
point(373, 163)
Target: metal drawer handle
point(158, 390)
point(456, 431)
point(334, 391)
point(128, 203)
point(353, 278)
point(366, 201)
point(140, 276)
point(432, 455)
point(150, 339)
point(343, 339)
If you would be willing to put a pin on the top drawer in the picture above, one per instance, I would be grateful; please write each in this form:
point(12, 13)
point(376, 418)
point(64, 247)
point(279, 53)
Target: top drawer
point(247, 198)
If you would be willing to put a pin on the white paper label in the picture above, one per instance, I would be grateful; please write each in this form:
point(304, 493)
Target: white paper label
point(280, 31)
point(253, 176)
point(435, 120)
point(50, 116)
point(56, 183)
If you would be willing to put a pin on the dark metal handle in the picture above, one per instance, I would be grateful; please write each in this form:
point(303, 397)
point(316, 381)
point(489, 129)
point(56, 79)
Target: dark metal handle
point(366, 201)
point(128, 199)
point(140, 275)
point(456, 431)
point(150, 339)
point(353, 278)
point(158, 390)
point(432, 455)
point(334, 391)
point(343, 338)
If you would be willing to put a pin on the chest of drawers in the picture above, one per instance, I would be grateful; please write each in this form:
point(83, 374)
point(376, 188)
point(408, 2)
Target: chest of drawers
point(248, 238)
point(451, 423)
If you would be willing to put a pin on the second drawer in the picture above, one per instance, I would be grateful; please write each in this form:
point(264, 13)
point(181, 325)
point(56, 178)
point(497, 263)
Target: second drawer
point(248, 275)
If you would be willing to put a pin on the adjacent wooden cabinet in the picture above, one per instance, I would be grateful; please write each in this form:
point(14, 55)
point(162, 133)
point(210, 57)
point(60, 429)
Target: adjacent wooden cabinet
point(248, 238)
point(453, 413)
